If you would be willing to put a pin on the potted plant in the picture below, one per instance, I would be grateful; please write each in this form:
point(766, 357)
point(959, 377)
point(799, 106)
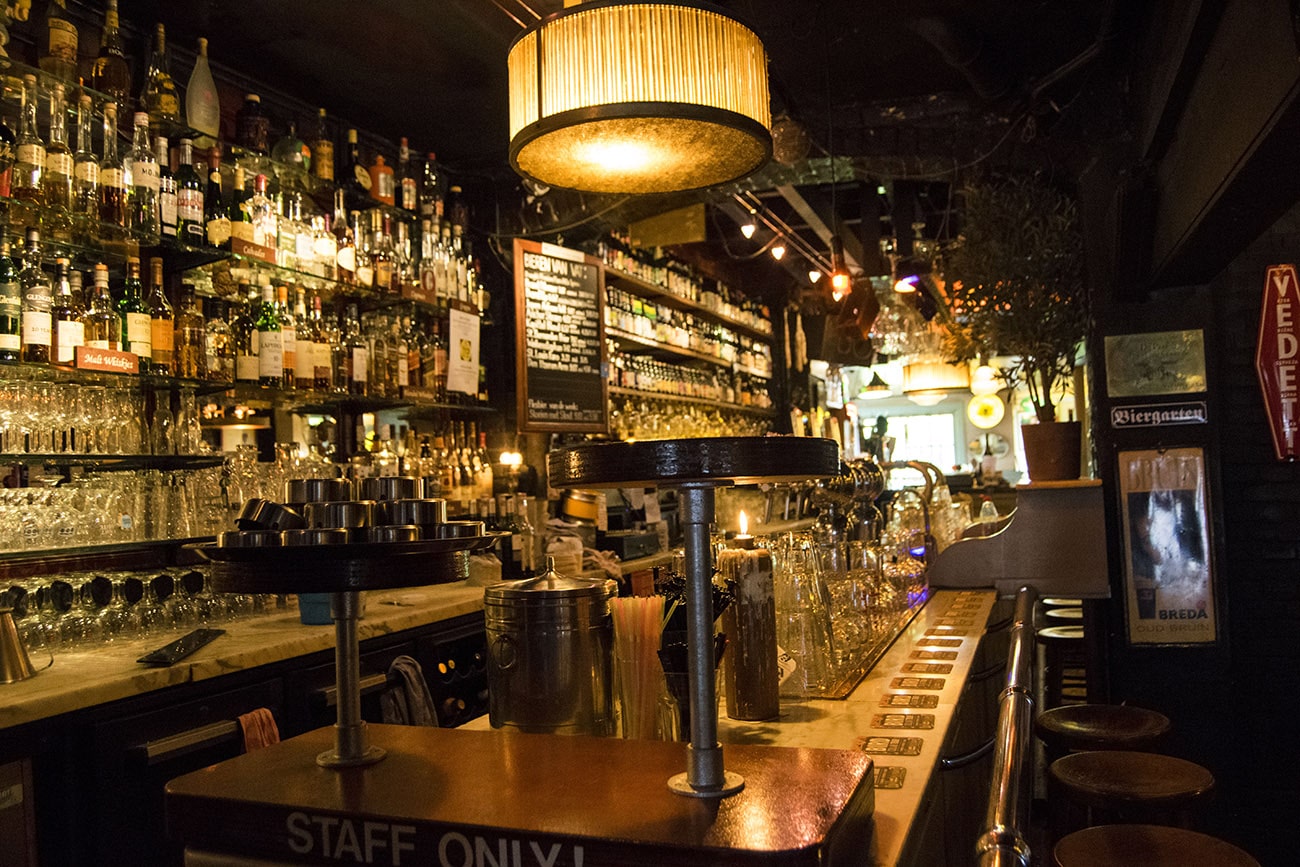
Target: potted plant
point(1016, 288)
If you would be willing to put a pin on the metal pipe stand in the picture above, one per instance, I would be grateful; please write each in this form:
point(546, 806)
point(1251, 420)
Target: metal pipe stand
point(351, 742)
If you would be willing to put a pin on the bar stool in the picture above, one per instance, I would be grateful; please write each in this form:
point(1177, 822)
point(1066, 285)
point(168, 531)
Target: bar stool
point(1105, 786)
point(1146, 846)
point(1079, 727)
point(1061, 602)
point(1064, 665)
point(1063, 616)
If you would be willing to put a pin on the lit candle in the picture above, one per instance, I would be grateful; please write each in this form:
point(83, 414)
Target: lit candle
point(752, 677)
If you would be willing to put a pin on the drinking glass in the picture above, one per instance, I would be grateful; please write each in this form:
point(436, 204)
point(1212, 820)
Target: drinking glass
point(803, 616)
point(118, 618)
point(80, 626)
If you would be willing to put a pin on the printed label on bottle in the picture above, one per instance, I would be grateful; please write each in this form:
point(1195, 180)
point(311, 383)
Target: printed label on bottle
point(37, 326)
point(167, 212)
point(304, 361)
point(63, 39)
point(11, 342)
point(384, 186)
point(289, 345)
point(362, 176)
point(322, 161)
point(365, 276)
point(139, 334)
point(403, 370)
point(241, 230)
point(11, 300)
point(87, 172)
point(270, 354)
point(360, 364)
point(58, 163)
point(218, 231)
point(189, 205)
point(246, 368)
point(98, 344)
point(31, 154)
point(69, 335)
point(347, 259)
point(408, 193)
point(162, 337)
point(112, 177)
point(322, 361)
point(145, 174)
point(384, 275)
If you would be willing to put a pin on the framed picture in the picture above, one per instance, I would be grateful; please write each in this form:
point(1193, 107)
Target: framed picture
point(1163, 362)
point(1168, 572)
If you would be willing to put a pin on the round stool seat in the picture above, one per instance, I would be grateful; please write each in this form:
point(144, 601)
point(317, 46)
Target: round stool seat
point(1062, 602)
point(1064, 615)
point(1116, 779)
point(1100, 727)
point(1060, 634)
point(1146, 846)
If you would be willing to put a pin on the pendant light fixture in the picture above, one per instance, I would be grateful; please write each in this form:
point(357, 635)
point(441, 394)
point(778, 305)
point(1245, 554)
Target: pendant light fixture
point(612, 96)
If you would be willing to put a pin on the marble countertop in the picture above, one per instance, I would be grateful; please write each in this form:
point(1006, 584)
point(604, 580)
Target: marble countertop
point(109, 672)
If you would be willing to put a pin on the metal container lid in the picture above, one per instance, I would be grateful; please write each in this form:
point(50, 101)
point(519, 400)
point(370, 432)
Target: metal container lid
point(550, 585)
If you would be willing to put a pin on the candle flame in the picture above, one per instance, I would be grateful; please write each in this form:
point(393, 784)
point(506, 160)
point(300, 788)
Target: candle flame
point(744, 523)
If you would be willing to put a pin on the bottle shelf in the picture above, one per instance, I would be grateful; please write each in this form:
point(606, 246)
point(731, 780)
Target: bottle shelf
point(620, 391)
point(661, 294)
point(636, 344)
point(115, 462)
point(11, 371)
point(321, 403)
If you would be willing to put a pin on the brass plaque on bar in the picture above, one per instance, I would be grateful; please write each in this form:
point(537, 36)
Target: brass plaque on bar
point(934, 654)
point(947, 630)
point(927, 667)
point(955, 621)
point(903, 721)
point(917, 683)
point(903, 699)
point(878, 745)
point(889, 777)
point(939, 642)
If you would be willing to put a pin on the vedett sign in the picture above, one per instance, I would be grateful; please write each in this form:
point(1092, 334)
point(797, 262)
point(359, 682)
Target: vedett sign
point(1277, 357)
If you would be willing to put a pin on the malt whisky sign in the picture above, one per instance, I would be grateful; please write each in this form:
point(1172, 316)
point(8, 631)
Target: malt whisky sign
point(1277, 359)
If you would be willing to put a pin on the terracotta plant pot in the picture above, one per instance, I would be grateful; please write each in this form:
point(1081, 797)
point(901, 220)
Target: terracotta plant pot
point(1052, 450)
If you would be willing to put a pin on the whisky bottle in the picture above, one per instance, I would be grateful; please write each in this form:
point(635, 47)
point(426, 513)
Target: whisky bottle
point(241, 217)
point(381, 181)
point(112, 175)
point(270, 341)
point(326, 336)
point(218, 343)
point(356, 182)
point(252, 126)
point(189, 198)
point(356, 354)
point(36, 303)
point(162, 323)
point(244, 331)
point(288, 337)
point(140, 173)
point(345, 259)
point(137, 329)
point(110, 73)
point(29, 156)
point(85, 173)
point(66, 311)
point(59, 50)
point(304, 359)
point(322, 149)
point(166, 190)
point(56, 180)
point(103, 327)
point(407, 186)
point(11, 307)
point(216, 218)
point(159, 98)
point(189, 337)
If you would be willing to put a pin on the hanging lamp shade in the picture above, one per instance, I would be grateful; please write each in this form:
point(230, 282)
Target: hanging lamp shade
point(638, 97)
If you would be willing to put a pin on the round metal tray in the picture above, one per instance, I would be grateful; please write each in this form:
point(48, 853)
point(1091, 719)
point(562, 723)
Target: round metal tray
point(341, 568)
point(717, 460)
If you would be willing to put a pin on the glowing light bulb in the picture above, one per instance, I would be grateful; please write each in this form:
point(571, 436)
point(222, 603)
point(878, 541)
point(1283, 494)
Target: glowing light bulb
point(907, 284)
point(778, 252)
point(748, 230)
point(814, 275)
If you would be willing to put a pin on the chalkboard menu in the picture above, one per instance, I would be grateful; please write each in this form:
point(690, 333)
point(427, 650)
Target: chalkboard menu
point(559, 307)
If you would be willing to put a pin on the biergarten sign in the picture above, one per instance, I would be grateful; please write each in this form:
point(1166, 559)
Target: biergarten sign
point(1277, 358)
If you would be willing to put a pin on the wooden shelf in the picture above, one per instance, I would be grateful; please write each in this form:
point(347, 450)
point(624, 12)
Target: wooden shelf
point(662, 294)
point(619, 391)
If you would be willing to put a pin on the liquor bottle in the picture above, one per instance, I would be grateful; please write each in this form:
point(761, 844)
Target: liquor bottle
point(439, 361)
point(322, 149)
point(356, 354)
point(356, 181)
point(8, 143)
point(288, 337)
point(241, 215)
point(216, 218)
point(261, 213)
point(11, 307)
point(85, 172)
point(190, 338)
point(162, 323)
point(159, 99)
point(322, 356)
point(401, 355)
point(166, 190)
point(382, 262)
point(140, 173)
point(59, 49)
point(407, 185)
point(66, 311)
point(103, 325)
point(365, 270)
point(414, 369)
point(270, 341)
point(457, 211)
point(56, 180)
point(110, 73)
point(112, 175)
point(189, 198)
point(486, 480)
point(430, 195)
point(381, 181)
point(345, 260)
point(304, 359)
point(36, 302)
point(292, 151)
point(244, 331)
point(252, 126)
point(202, 104)
point(29, 158)
point(218, 343)
point(137, 330)
point(326, 248)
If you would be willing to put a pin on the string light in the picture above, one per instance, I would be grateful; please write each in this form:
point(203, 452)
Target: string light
point(750, 227)
point(778, 251)
point(814, 275)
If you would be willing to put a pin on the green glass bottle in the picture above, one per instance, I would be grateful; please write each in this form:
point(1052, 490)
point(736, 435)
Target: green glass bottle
point(11, 307)
point(137, 326)
point(270, 341)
